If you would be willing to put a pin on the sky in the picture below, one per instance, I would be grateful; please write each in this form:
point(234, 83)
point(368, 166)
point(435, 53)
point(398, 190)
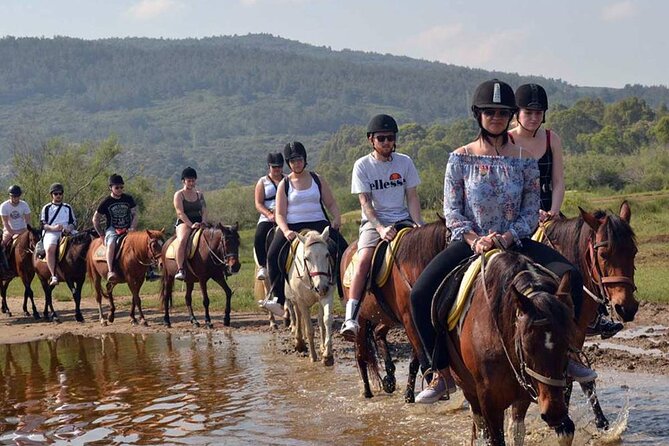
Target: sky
point(587, 43)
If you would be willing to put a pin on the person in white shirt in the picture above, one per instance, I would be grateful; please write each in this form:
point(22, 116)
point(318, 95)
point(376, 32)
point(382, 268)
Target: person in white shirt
point(15, 220)
point(57, 218)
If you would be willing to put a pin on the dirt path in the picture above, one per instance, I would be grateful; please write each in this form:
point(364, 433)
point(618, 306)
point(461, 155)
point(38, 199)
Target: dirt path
point(649, 322)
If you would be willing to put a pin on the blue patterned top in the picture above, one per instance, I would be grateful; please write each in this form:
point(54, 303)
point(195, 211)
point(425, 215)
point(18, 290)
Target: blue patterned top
point(491, 193)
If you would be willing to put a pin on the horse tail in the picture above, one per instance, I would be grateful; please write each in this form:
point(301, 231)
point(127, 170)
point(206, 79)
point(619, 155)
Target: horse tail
point(165, 304)
point(369, 354)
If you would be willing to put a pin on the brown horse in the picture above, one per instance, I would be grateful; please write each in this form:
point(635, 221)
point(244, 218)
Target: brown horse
point(603, 247)
point(70, 269)
point(216, 257)
point(511, 348)
point(136, 253)
point(390, 306)
point(21, 265)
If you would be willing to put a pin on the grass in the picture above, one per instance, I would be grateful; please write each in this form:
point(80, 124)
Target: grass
point(650, 220)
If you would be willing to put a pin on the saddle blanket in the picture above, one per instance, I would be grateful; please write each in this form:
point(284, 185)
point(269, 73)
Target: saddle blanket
point(195, 240)
point(62, 247)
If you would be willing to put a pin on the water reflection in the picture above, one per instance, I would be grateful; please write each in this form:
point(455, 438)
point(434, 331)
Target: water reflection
point(231, 388)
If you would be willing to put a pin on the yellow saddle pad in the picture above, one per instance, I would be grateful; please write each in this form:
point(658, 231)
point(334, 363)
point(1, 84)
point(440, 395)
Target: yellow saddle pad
point(62, 247)
point(386, 266)
point(100, 254)
point(172, 249)
point(540, 233)
point(463, 299)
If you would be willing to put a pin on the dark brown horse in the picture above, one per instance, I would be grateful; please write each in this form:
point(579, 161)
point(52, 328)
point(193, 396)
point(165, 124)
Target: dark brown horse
point(137, 252)
point(21, 265)
point(512, 348)
point(71, 269)
point(389, 306)
point(216, 257)
point(603, 247)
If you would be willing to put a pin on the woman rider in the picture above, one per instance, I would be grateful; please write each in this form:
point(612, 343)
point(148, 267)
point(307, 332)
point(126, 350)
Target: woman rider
point(546, 147)
point(265, 198)
point(191, 214)
point(491, 193)
point(301, 199)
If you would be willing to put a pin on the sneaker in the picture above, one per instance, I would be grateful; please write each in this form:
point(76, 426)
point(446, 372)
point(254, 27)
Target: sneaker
point(262, 273)
point(580, 373)
point(349, 329)
point(180, 275)
point(151, 276)
point(605, 327)
point(53, 281)
point(434, 391)
point(272, 304)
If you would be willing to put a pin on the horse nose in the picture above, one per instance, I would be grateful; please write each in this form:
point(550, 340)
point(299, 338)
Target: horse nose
point(628, 312)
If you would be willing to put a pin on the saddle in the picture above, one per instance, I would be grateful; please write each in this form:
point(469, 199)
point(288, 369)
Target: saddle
point(100, 254)
point(453, 297)
point(62, 249)
point(193, 241)
point(382, 260)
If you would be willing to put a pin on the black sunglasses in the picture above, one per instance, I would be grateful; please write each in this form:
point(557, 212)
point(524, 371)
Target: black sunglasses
point(384, 138)
point(490, 112)
point(56, 193)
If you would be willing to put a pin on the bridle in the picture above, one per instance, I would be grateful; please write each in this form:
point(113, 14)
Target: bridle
point(216, 259)
point(599, 280)
point(154, 254)
point(310, 274)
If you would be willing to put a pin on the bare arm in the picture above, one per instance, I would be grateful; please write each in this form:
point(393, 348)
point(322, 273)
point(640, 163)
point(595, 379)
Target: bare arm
point(135, 218)
point(260, 201)
point(330, 202)
point(414, 206)
point(205, 212)
point(97, 224)
point(281, 210)
point(5, 224)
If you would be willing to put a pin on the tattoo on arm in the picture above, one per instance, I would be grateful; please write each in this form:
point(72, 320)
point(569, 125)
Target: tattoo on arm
point(368, 208)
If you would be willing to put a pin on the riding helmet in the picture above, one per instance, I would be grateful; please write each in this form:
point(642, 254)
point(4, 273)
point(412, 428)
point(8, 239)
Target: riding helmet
point(15, 190)
point(188, 172)
point(115, 179)
point(532, 97)
point(381, 123)
point(56, 187)
point(293, 150)
point(274, 159)
point(493, 94)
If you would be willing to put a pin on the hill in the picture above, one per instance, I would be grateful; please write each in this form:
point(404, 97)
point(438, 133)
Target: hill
point(220, 104)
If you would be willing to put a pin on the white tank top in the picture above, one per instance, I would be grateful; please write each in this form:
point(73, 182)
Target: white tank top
point(304, 205)
point(270, 192)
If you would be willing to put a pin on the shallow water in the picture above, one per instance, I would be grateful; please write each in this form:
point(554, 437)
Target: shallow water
point(236, 388)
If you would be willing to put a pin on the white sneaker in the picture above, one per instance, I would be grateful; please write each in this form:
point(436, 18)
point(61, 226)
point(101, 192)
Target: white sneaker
point(53, 281)
point(272, 304)
point(349, 329)
point(580, 373)
point(262, 273)
point(180, 275)
point(433, 392)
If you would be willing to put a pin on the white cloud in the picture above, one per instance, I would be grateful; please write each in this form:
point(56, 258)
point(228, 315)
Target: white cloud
point(618, 11)
point(150, 9)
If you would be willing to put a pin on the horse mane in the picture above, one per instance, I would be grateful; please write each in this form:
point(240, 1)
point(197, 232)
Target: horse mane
point(422, 244)
point(617, 229)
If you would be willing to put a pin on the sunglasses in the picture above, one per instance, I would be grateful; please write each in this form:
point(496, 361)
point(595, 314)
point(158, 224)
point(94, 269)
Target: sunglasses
point(116, 186)
point(276, 166)
point(56, 193)
point(490, 112)
point(384, 138)
point(296, 159)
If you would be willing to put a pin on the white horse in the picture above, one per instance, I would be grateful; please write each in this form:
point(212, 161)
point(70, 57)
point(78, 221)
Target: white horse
point(310, 280)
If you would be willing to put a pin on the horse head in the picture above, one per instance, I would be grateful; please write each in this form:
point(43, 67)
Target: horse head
point(611, 252)
point(228, 249)
point(316, 261)
point(155, 240)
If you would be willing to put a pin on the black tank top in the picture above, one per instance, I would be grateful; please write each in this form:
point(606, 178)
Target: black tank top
point(546, 175)
point(192, 209)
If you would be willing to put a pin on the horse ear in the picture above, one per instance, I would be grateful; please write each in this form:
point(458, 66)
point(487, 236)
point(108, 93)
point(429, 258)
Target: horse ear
point(301, 238)
point(589, 219)
point(148, 233)
point(625, 211)
point(563, 293)
point(523, 303)
point(235, 227)
point(162, 230)
point(326, 232)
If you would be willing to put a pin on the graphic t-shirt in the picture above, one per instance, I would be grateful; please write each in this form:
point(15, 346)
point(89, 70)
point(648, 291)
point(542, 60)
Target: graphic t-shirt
point(117, 211)
point(16, 214)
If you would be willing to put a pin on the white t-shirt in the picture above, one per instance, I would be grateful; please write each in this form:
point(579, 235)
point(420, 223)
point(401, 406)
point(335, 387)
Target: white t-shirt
point(387, 181)
point(65, 217)
point(270, 192)
point(16, 214)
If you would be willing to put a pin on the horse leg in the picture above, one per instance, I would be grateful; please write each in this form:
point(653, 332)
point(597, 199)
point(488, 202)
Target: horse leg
point(493, 417)
point(49, 312)
point(228, 299)
point(309, 331)
point(600, 419)
point(189, 303)
point(168, 285)
point(205, 304)
point(28, 294)
point(97, 286)
point(112, 306)
point(298, 328)
point(409, 395)
point(517, 425)
point(135, 286)
point(3, 291)
point(325, 324)
point(388, 382)
point(76, 294)
point(362, 353)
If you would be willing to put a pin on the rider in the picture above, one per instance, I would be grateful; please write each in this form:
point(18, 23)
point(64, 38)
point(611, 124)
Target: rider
point(120, 211)
point(15, 220)
point(383, 180)
point(265, 199)
point(191, 211)
point(57, 218)
point(491, 195)
point(300, 204)
point(545, 146)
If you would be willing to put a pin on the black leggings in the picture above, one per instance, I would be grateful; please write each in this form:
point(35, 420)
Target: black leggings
point(432, 276)
point(260, 241)
point(278, 252)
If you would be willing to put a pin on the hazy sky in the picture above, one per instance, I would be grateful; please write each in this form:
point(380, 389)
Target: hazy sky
point(593, 42)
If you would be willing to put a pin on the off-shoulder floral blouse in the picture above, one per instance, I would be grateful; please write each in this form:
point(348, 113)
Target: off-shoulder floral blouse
point(491, 193)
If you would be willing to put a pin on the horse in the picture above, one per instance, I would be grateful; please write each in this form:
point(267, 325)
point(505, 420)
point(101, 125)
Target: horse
point(21, 265)
point(311, 279)
point(390, 306)
point(216, 257)
point(71, 268)
point(138, 251)
point(511, 348)
point(603, 247)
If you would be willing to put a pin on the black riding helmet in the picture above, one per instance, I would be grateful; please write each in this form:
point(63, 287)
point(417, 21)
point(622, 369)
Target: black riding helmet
point(15, 190)
point(188, 172)
point(381, 123)
point(115, 180)
point(493, 94)
point(56, 187)
point(532, 97)
point(274, 159)
point(293, 150)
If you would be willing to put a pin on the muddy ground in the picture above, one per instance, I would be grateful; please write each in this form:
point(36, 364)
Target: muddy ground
point(649, 333)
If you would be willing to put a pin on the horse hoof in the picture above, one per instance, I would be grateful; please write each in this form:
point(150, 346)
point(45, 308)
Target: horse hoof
point(166, 322)
point(226, 321)
point(409, 397)
point(79, 317)
point(388, 383)
point(328, 361)
point(368, 394)
point(110, 319)
point(36, 316)
point(25, 313)
point(103, 323)
point(209, 325)
point(602, 424)
point(144, 323)
point(273, 326)
point(133, 322)
point(195, 323)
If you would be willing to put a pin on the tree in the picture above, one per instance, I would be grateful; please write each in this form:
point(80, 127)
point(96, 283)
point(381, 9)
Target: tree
point(627, 112)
